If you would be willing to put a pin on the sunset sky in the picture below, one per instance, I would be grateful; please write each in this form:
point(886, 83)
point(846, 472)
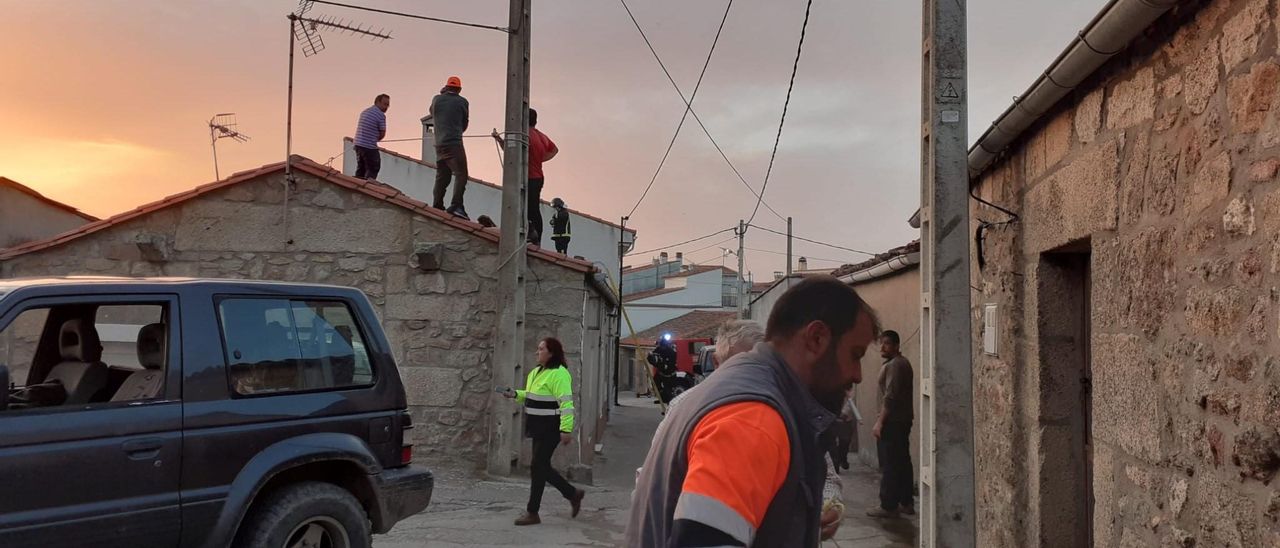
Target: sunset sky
point(104, 103)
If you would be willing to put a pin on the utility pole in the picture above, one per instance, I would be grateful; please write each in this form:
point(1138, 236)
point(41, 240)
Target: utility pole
point(788, 246)
point(946, 396)
point(742, 298)
point(509, 349)
point(617, 347)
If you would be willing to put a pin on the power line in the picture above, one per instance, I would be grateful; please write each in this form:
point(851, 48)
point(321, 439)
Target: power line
point(724, 241)
point(700, 238)
point(696, 118)
point(413, 16)
point(838, 261)
point(794, 66)
point(834, 246)
point(688, 106)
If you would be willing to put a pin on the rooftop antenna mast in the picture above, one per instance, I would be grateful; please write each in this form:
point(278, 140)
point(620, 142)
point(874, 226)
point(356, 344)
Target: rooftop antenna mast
point(223, 126)
point(304, 30)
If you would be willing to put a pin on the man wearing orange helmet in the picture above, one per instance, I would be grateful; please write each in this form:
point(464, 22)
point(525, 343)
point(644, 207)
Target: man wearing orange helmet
point(451, 113)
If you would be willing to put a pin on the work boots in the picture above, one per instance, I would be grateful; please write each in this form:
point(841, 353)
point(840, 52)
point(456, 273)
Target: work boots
point(458, 211)
point(576, 502)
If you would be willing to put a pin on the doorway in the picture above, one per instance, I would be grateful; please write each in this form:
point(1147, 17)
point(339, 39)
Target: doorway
point(1065, 477)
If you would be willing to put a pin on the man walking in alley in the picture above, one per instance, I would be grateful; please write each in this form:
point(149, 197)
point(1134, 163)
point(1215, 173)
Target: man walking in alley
point(541, 149)
point(371, 128)
point(893, 430)
point(559, 226)
point(451, 113)
point(739, 462)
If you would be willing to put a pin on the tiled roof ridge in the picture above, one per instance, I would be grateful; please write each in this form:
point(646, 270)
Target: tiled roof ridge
point(700, 320)
point(304, 164)
point(909, 248)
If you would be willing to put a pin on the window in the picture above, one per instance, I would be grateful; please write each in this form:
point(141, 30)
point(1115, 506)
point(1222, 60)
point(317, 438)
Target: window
point(85, 353)
point(278, 345)
point(18, 343)
point(118, 328)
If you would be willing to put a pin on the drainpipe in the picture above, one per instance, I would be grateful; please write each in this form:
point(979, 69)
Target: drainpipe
point(1105, 36)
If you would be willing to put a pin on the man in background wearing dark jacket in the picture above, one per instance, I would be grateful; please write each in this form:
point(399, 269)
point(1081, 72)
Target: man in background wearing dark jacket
point(451, 113)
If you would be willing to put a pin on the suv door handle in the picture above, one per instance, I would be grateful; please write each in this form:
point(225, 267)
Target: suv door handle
point(144, 448)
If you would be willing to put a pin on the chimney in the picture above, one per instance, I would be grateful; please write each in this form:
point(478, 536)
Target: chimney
point(428, 139)
point(679, 256)
point(804, 263)
point(662, 258)
point(777, 275)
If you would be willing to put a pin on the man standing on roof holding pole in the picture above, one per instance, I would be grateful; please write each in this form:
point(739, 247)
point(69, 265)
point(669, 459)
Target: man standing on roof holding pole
point(541, 149)
point(452, 114)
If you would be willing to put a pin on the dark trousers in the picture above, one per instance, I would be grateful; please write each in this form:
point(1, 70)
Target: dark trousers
point(534, 190)
point(542, 473)
point(894, 451)
point(843, 432)
point(368, 162)
point(451, 161)
point(562, 244)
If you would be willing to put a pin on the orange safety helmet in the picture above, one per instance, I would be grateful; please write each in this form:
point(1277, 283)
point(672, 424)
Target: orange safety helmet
point(453, 82)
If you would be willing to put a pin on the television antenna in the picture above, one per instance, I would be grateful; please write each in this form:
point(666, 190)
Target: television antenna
point(223, 126)
point(304, 30)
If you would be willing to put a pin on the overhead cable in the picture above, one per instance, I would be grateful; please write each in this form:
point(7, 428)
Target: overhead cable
point(833, 246)
point(689, 105)
point(700, 238)
point(794, 66)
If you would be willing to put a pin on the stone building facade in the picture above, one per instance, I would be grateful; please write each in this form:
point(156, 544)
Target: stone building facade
point(1133, 394)
point(431, 277)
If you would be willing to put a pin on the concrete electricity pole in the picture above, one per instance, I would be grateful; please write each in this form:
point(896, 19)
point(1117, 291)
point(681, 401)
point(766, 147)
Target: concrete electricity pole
point(509, 348)
point(742, 297)
point(788, 246)
point(946, 395)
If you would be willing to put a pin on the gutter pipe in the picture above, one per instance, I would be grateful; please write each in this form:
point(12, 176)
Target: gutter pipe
point(1109, 33)
point(896, 264)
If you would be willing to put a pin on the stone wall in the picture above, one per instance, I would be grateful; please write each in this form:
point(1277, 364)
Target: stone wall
point(896, 300)
point(24, 217)
point(1161, 176)
point(440, 324)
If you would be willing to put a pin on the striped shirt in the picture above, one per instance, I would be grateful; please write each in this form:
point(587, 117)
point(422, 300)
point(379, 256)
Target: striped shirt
point(371, 127)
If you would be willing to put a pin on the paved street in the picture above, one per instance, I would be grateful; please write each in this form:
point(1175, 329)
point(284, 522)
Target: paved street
point(472, 511)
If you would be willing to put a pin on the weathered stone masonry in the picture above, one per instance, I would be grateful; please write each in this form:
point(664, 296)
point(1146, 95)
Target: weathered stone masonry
point(440, 323)
point(1162, 171)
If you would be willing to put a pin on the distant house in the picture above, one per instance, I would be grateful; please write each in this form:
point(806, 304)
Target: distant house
point(709, 288)
point(27, 215)
point(648, 277)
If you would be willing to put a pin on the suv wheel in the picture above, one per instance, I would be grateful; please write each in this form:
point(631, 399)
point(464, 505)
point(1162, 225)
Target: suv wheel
point(308, 515)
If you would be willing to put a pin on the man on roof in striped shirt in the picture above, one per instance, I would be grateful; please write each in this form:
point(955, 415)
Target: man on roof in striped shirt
point(371, 128)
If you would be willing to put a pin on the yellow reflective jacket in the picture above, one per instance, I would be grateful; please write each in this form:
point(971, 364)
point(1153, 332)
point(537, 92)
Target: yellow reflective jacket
point(548, 393)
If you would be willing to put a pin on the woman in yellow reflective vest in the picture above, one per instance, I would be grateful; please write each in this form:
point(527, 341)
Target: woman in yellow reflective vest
point(548, 408)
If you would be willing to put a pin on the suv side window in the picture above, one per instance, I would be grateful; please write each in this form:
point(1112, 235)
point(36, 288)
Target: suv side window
point(18, 343)
point(281, 345)
point(84, 354)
